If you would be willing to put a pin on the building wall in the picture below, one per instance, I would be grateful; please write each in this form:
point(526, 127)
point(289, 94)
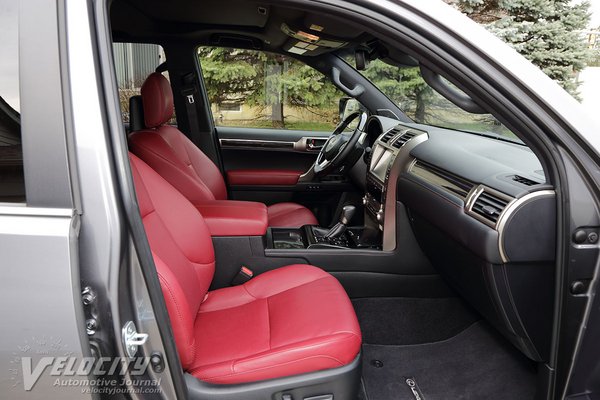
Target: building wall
point(135, 61)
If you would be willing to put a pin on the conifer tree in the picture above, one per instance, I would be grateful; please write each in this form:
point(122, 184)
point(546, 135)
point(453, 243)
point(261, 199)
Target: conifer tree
point(546, 32)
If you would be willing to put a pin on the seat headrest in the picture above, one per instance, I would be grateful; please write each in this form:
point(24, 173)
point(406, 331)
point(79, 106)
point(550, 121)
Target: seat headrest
point(158, 100)
point(136, 114)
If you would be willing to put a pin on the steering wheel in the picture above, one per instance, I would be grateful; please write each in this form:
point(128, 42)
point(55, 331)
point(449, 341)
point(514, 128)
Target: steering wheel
point(340, 145)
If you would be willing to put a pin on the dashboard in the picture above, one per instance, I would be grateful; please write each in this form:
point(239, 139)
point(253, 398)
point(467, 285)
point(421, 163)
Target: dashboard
point(481, 210)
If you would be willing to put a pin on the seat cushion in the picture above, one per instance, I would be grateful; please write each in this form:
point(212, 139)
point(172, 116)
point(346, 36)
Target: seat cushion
point(288, 321)
point(290, 215)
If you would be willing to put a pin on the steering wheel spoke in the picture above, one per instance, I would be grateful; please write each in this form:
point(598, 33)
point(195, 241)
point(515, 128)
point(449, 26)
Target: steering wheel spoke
point(340, 145)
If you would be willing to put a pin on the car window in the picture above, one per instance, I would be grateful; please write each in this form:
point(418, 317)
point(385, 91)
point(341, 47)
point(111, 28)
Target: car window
point(133, 63)
point(255, 89)
point(405, 87)
point(12, 184)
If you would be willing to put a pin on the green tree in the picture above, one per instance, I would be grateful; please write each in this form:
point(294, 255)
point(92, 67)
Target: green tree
point(547, 32)
point(229, 75)
point(266, 80)
point(404, 86)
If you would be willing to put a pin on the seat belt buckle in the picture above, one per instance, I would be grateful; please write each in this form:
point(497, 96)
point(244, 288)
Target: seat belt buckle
point(243, 276)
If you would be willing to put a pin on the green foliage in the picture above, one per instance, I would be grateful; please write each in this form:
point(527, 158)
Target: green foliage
point(544, 31)
point(266, 80)
point(229, 75)
point(595, 59)
point(404, 86)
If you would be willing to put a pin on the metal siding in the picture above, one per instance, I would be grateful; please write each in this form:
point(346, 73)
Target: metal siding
point(145, 60)
point(134, 62)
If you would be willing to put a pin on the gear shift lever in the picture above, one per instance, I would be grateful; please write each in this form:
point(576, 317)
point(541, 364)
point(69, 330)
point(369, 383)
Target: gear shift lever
point(339, 228)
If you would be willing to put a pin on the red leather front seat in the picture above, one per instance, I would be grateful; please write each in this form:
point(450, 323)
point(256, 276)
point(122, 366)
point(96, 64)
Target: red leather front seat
point(287, 321)
point(183, 165)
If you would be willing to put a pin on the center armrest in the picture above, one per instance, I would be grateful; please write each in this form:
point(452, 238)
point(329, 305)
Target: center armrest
point(234, 218)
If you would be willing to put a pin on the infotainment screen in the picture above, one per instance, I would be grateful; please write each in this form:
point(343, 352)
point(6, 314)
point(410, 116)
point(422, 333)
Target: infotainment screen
point(379, 167)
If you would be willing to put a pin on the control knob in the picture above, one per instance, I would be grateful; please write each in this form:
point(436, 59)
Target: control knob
point(380, 214)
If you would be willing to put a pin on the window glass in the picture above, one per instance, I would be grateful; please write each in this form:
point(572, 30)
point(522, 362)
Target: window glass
point(12, 185)
point(133, 63)
point(248, 88)
point(420, 102)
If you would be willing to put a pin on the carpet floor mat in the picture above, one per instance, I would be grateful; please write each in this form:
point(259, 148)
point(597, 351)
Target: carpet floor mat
point(401, 320)
point(473, 364)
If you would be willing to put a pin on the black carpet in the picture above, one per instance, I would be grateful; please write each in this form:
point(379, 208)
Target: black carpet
point(401, 321)
point(474, 364)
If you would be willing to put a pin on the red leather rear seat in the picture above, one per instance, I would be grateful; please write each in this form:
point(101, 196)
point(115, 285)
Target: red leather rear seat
point(288, 321)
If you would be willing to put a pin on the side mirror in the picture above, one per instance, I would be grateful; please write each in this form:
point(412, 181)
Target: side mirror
point(347, 106)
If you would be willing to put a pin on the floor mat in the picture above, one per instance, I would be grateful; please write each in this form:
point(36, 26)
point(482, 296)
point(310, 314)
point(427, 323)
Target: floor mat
point(474, 364)
point(400, 321)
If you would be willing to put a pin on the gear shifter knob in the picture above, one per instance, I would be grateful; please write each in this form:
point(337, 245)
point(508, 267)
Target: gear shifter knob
point(347, 214)
point(339, 228)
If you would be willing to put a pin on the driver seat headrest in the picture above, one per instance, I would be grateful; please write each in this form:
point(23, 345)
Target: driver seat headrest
point(157, 98)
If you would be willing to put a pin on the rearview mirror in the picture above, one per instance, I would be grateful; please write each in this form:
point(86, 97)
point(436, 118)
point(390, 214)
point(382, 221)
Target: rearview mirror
point(347, 106)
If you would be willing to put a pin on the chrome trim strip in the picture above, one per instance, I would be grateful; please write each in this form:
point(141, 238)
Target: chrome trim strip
point(402, 162)
point(444, 180)
point(253, 144)
point(509, 210)
point(21, 209)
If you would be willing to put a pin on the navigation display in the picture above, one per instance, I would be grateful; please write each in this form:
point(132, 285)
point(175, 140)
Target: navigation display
point(380, 163)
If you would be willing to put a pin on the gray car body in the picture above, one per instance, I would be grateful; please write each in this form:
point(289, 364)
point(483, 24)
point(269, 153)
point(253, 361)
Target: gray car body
point(75, 222)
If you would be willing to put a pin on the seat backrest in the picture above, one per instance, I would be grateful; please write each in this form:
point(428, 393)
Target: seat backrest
point(182, 248)
point(169, 152)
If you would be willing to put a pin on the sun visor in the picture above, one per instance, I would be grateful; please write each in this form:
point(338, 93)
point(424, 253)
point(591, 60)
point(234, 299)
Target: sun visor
point(309, 41)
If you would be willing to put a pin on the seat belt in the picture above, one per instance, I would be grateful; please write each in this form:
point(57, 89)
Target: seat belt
point(190, 96)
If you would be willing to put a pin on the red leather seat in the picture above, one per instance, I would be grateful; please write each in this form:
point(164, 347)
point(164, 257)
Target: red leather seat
point(287, 321)
point(183, 165)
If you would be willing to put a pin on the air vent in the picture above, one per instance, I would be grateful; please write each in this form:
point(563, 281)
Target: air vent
point(404, 138)
point(524, 181)
point(388, 136)
point(489, 206)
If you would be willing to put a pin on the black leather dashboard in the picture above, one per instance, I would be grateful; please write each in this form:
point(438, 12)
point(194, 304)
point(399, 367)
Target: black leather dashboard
point(484, 214)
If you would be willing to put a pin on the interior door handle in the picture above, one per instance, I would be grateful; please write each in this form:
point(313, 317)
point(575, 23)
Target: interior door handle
point(310, 144)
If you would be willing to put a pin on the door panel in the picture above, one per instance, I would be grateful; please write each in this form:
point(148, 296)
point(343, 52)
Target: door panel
point(268, 149)
point(265, 165)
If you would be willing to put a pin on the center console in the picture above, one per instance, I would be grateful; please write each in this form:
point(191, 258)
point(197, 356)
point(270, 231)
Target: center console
point(313, 237)
point(390, 155)
point(368, 259)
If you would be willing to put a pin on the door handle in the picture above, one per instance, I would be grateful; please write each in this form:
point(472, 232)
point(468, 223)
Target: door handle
point(310, 144)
